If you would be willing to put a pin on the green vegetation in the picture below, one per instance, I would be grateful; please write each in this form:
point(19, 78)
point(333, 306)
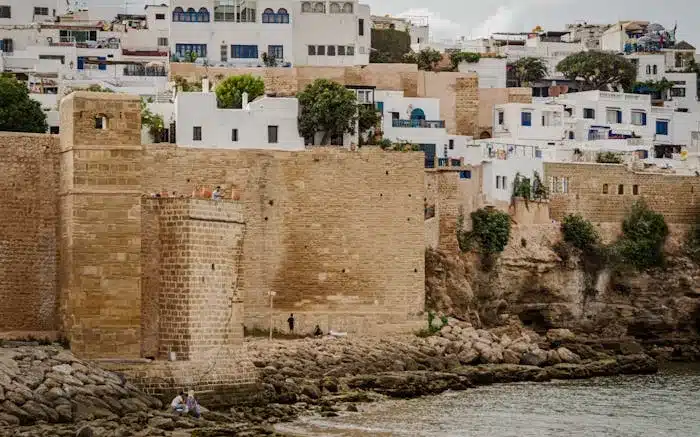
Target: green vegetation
point(389, 46)
point(431, 329)
point(652, 87)
point(692, 243)
point(182, 84)
point(229, 92)
point(596, 70)
point(401, 146)
point(427, 59)
point(529, 70)
point(458, 57)
point(18, 112)
point(644, 233)
point(580, 233)
point(608, 158)
point(154, 122)
point(367, 118)
point(529, 190)
point(490, 230)
point(327, 107)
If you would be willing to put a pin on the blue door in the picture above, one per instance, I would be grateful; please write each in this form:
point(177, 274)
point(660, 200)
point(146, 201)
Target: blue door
point(102, 65)
point(81, 63)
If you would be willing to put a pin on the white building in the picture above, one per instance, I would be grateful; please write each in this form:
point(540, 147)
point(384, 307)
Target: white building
point(265, 123)
point(491, 71)
point(224, 32)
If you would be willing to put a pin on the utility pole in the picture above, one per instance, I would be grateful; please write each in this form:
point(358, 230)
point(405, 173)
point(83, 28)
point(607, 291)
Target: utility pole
point(272, 297)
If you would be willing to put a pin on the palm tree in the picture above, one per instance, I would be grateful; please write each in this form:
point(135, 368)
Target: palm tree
point(529, 70)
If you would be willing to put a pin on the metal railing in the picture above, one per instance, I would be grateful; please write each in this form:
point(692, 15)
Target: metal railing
point(430, 124)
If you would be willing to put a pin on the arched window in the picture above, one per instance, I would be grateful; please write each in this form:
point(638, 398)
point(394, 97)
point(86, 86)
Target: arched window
point(204, 15)
point(417, 114)
point(347, 8)
point(190, 15)
point(268, 16)
point(335, 8)
point(648, 69)
point(178, 14)
point(283, 15)
point(655, 70)
point(320, 7)
point(306, 7)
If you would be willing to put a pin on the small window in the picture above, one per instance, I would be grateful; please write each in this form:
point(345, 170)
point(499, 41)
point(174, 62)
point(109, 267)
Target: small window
point(272, 132)
point(661, 127)
point(162, 41)
point(613, 116)
point(197, 133)
point(498, 182)
point(526, 118)
point(5, 12)
point(465, 174)
point(331, 50)
point(6, 45)
point(504, 182)
point(160, 16)
point(589, 113)
point(224, 52)
point(41, 11)
point(312, 50)
point(677, 92)
point(635, 190)
point(639, 118)
point(321, 51)
point(452, 144)
point(656, 70)
point(572, 135)
point(341, 50)
point(234, 135)
point(620, 189)
point(500, 118)
point(605, 188)
point(648, 69)
point(350, 51)
point(101, 122)
point(361, 27)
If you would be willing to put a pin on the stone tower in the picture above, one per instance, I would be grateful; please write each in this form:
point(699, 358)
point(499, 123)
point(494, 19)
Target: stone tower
point(100, 215)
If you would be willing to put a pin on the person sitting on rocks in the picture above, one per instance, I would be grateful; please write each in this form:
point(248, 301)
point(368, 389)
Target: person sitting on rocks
point(216, 195)
point(192, 404)
point(178, 403)
point(317, 331)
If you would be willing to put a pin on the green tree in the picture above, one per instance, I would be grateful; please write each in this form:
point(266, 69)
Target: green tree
point(458, 57)
point(18, 112)
point(654, 87)
point(529, 70)
point(427, 59)
point(596, 70)
point(229, 92)
point(644, 233)
point(580, 232)
point(328, 107)
point(367, 118)
point(389, 46)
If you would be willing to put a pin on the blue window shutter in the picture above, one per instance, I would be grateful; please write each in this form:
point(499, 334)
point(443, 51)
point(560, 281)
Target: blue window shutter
point(81, 62)
point(619, 117)
point(102, 66)
point(526, 118)
point(644, 118)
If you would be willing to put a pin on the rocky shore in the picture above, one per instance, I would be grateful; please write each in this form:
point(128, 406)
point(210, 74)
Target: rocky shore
point(45, 391)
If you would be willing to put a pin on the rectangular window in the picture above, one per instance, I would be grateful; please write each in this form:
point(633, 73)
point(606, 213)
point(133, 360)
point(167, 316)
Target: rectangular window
point(321, 51)
point(224, 53)
point(160, 16)
point(312, 50)
point(498, 182)
point(5, 12)
point(41, 11)
point(589, 113)
point(6, 45)
point(182, 50)
point(350, 51)
point(341, 50)
point(526, 118)
point(635, 190)
point(276, 52)
point(331, 50)
point(613, 116)
point(504, 182)
point(162, 41)
point(639, 118)
point(501, 116)
point(244, 52)
point(361, 27)
point(465, 174)
point(620, 189)
point(234, 135)
point(272, 132)
point(452, 144)
point(56, 57)
point(661, 127)
point(605, 188)
point(677, 92)
point(197, 133)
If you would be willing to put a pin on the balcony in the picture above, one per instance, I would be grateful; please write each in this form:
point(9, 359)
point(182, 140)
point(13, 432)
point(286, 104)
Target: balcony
point(154, 53)
point(428, 124)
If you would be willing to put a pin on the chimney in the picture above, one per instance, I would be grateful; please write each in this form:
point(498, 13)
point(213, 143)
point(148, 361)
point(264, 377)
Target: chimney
point(244, 97)
point(205, 84)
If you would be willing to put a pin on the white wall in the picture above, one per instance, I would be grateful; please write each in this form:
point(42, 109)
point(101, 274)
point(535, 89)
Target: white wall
point(508, 161)
point(613, 40)
point(252, 123)
point(22, 11)
point(491, 71)
point(646, 64)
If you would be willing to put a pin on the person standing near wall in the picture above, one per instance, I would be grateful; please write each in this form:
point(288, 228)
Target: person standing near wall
point(290, 322)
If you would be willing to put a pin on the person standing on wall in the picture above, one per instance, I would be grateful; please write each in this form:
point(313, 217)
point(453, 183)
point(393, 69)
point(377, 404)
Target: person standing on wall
point(290, 321)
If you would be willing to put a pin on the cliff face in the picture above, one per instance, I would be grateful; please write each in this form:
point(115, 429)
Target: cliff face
point(547, 288)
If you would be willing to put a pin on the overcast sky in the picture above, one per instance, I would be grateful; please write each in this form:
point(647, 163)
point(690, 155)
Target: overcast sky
point(478, 18)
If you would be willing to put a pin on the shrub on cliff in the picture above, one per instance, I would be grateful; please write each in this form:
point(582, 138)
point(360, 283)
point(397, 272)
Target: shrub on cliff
point(692, 244)
point(490, 230)
point(644, 234)
point(579, 232)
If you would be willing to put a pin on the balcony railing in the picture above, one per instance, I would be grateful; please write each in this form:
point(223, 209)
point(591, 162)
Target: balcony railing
point(430, 124)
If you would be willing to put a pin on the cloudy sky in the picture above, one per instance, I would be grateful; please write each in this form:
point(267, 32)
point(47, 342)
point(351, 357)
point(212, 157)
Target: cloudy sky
point(477, 18)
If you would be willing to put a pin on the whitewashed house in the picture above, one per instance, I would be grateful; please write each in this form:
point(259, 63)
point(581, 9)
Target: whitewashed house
point(266, 123)
point(491, 71)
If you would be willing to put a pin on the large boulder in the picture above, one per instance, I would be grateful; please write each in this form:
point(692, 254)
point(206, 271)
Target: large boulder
point(536, 357)
point(560, 335)
point(567, 356)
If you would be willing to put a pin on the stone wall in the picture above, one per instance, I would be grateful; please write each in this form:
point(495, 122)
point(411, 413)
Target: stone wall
point(337, 235)
point(28, 244)
point(676, 197)
point(190, 295)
